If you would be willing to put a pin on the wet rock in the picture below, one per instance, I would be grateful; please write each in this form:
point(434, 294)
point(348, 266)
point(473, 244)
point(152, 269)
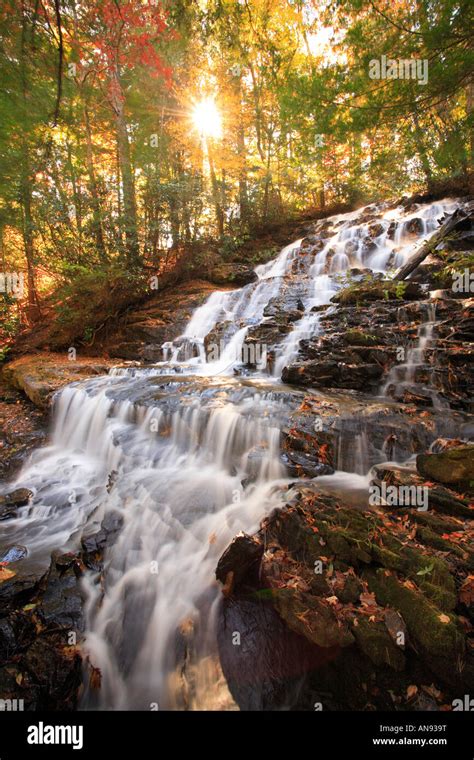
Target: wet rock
point(266, 665)
point(287, 308)
point(440, 498)
point(333, 374)
point(10, 502)
point(216, 335)
point(414, 226)
point(61, 601)
point(187, 349)
point(261, 338)
point(93, 546)
point(17, 633)
point(240, 559)
point(18, 588)
point(452, 467)
point(18, 498)
point(56, 669)
point(304, 463)
point(132, 350)
point(18, 684)
point(13, 554)
point(443, 444)
point(376, 229)
point(7, 639)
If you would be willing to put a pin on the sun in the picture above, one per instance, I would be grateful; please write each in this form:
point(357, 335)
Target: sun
point(207, 119)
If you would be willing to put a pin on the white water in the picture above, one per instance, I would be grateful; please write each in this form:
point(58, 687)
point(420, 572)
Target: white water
point(191, 466)
point(404, 375)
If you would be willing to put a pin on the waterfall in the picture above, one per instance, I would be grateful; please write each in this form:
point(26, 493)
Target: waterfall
point(186, 464)
point(403, 376)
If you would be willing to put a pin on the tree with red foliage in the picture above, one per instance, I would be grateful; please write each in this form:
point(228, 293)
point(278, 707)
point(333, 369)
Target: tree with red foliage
point(120, 37)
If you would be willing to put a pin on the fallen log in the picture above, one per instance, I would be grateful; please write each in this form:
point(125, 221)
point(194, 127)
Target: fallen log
point(431, 244)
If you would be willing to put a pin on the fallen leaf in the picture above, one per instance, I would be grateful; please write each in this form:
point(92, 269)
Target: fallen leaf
point(444, 618)
point(5, 574)
point(466, 592)
point(367, 599)
point(95, 678)
point(433, 691)
point(412, 691)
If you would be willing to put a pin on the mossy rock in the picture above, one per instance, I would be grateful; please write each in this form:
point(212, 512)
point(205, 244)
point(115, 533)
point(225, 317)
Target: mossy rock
point(311, 617)
point(380, 290)
point(375, 641)
point(442, 500)
point(428, 537)
point(348, 547)
point(351, 590)
point(444, 599)
point(359, 338)
point(453, 467)
point(394, 555)
point(435, 633)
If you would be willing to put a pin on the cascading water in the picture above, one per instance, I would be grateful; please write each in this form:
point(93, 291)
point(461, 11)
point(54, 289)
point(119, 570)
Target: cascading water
point(185, 455)
point(404, 376)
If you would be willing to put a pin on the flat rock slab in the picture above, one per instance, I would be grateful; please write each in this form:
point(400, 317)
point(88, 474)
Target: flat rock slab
point(39, 376)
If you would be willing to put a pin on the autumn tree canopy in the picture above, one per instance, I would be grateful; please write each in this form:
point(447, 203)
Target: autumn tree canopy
point(136, 128)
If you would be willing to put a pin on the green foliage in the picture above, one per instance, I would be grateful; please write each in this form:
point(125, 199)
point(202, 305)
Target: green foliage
point(400, 289)
point(91, 299)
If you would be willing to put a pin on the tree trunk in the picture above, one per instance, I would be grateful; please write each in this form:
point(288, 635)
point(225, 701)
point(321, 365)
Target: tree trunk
point(26, 189)
point(93, 189)
point(216, 195)
point(241, 152)
point(425, 163)
point(470, 148)
point(128, 182)
point(28, 237)
point(430, 245)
